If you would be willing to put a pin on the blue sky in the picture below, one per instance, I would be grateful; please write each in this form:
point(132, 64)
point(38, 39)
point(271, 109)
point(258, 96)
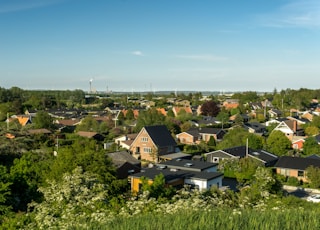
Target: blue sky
point(143, 45)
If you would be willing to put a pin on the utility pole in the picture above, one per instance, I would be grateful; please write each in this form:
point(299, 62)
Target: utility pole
point(7, 121)
point(247, 148)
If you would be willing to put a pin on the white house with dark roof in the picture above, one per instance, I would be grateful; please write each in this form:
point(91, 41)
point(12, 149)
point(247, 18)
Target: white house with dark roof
point(266, 158)
point(177, 173)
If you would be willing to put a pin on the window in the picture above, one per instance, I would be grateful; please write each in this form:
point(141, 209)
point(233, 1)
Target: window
point(144, 139)
point(300, 173)
point(147, 150)
point(284, 172)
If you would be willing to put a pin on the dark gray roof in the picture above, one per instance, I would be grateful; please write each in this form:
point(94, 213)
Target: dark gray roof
point(258, 127)
point(170, 175)
point(241, 151)
point(185, 164)
point(119, 158)
point(263, 155)
point(197, 131)
point(299, 163)
point(210, 130)
point(178, 155)
point(193, 132)
point(160, 135)
point(314, 156)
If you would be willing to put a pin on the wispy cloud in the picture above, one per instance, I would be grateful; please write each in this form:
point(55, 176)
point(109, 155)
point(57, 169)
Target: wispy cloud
point(23, 5)
point(206, 57)
point(137, 53)
point(297, 13)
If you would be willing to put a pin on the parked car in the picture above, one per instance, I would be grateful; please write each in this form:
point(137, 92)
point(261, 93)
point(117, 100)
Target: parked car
point(314, 198)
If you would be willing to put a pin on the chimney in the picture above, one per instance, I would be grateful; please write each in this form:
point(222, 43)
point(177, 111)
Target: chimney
point(294, 126)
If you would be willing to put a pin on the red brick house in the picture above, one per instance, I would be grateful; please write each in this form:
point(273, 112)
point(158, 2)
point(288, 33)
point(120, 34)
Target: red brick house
point(295, 166)
point(152, 142)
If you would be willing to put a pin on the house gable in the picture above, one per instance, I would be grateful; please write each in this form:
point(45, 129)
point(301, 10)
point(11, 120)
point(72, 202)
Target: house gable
point(152, 142)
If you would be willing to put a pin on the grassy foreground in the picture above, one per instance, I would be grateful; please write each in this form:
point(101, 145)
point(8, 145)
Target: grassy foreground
point(221, 219)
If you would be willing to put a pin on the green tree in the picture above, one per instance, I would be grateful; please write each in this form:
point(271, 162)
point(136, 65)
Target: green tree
point(246, 169)
point(313, 176)
point(43, 120)
point(238, 119)
point(311, 130)
point(4, 191)
point(278, 143)
point(158, 188)
point(315, 121)
point(311, 146)
point(234, 137)
point(174, 125)
point(27, 174)
point(87, 155)
point(262, 184)
point(170, 113)
point(120, 118)
point(255, 141)
point(130, 115)
point(212, 142)
point(88, 124)
point(223, 117)
point(149, 117)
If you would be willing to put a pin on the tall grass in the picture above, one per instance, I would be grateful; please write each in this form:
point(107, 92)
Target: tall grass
point(222, 219)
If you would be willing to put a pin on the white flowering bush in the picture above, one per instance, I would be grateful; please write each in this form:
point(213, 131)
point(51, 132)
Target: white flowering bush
point(79, 197)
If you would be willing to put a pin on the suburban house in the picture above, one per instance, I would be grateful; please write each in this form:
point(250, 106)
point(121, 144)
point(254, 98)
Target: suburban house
point(162, 111)
point(230, 104)
point(195, 135)
point(274, 113)
point(181, 102)
point(290, 128)
point(266, 158)
point(67, 113)
point(67, 125)
point(135, 113)
point(255, 127)
point(295, 166)
point(22, 119)
point(153, 142)
point(93, 135)
point(180, 172)
point(307, 115)
point(147, 103)
point(125, 164)
point(125, 141)
point(177, 110)
point(205, 121)
point(275, 121)
point(190, 165)
point(39, 131)
point(297, 142)
point(300, 120)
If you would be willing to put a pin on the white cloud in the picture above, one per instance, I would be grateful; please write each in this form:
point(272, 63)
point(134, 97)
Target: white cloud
point(297, 13)
point(22, 5)
point(137, 53)
point(202, 57)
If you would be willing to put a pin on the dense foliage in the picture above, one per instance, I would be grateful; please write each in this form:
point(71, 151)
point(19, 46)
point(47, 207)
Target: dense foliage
point(77, 187)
